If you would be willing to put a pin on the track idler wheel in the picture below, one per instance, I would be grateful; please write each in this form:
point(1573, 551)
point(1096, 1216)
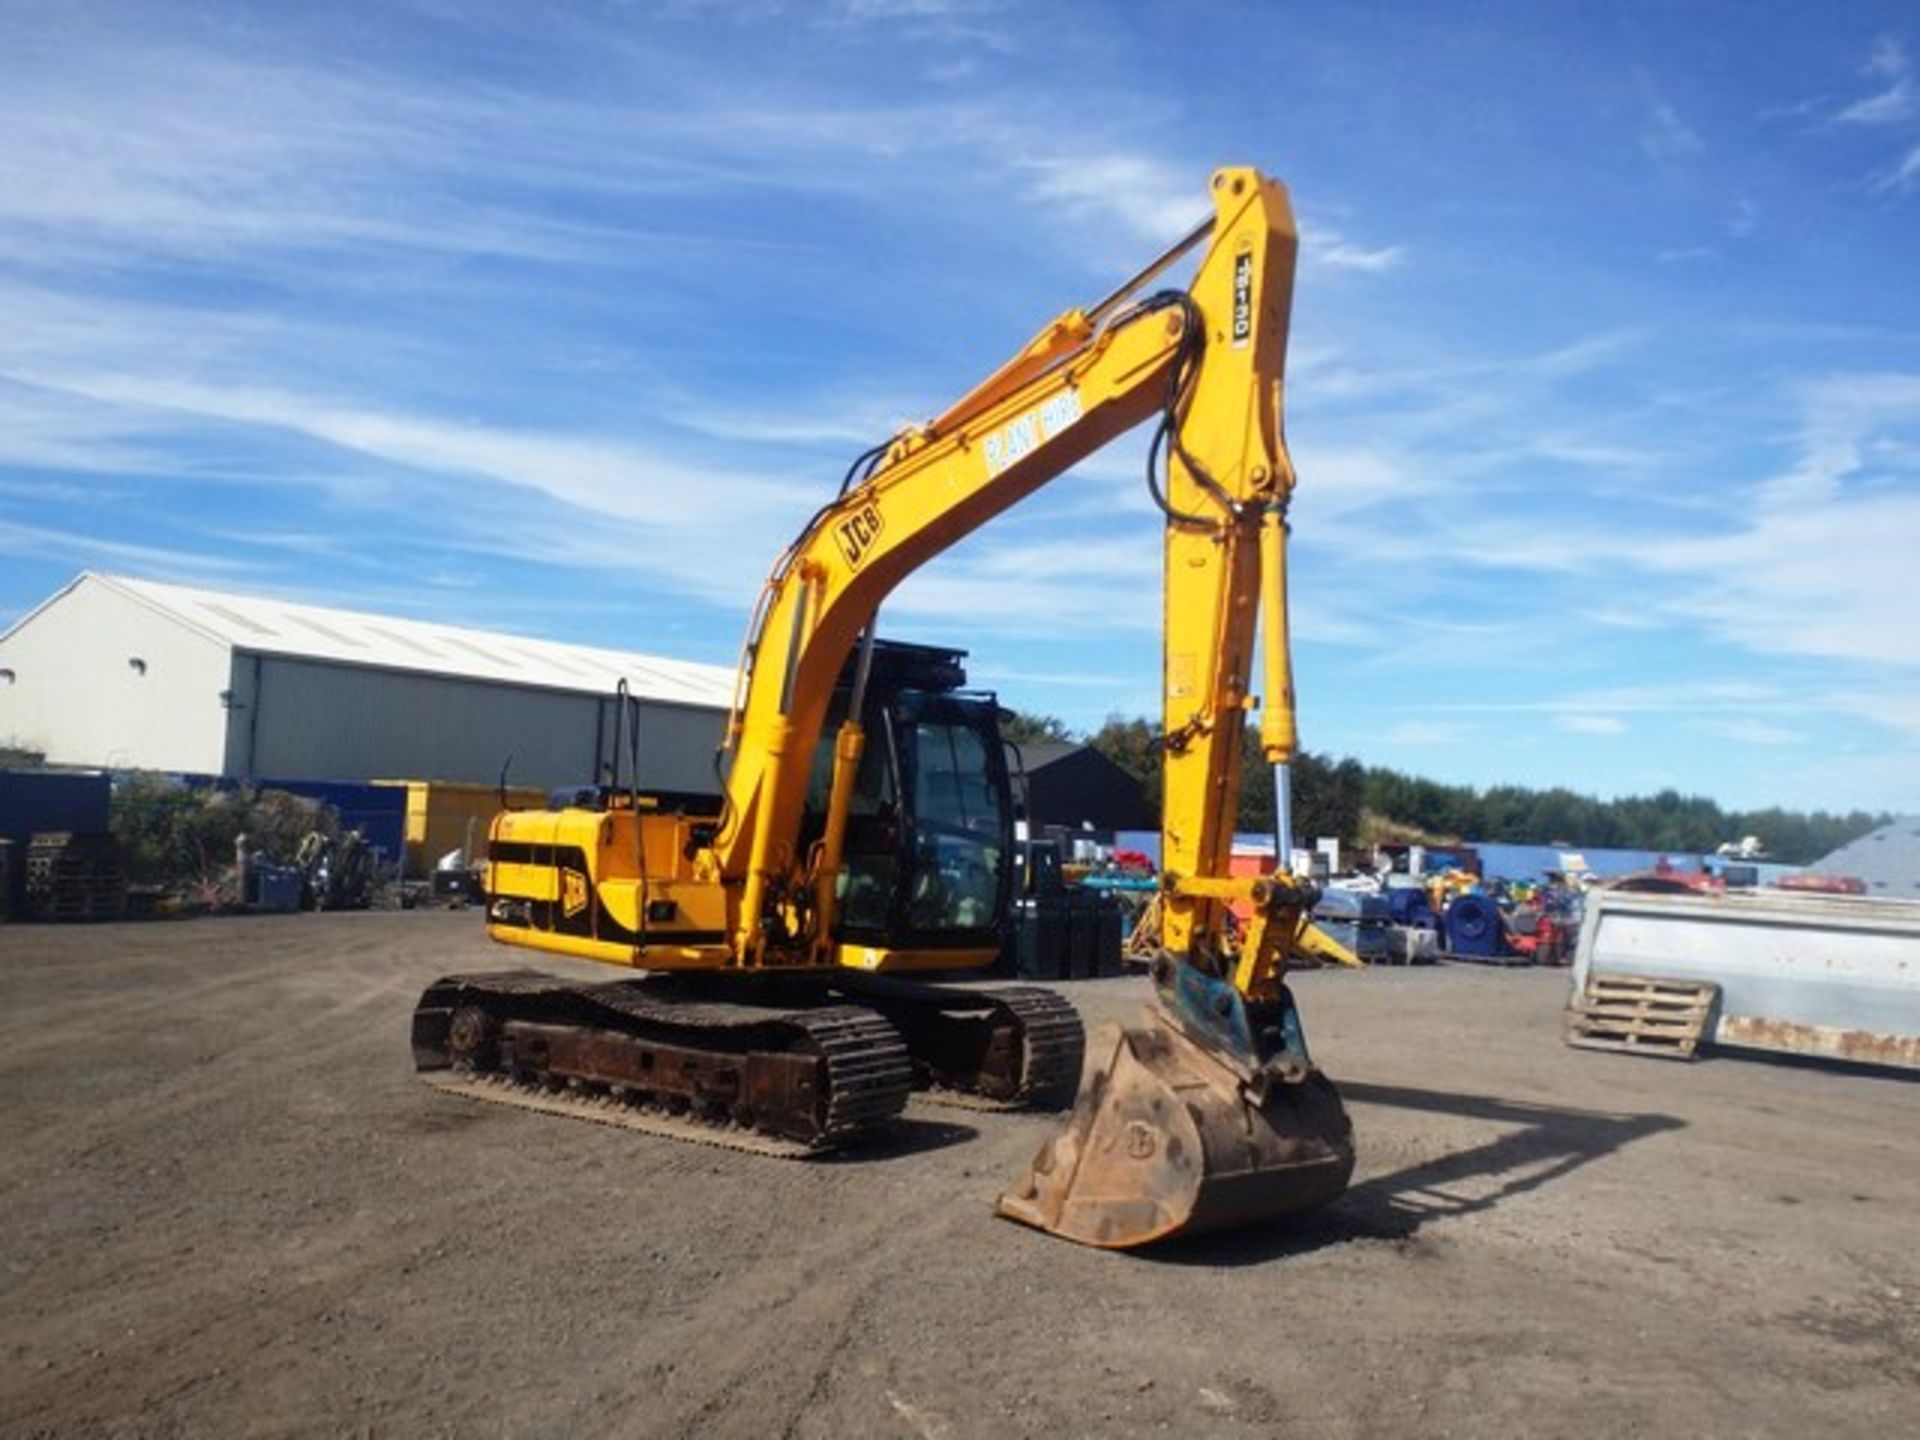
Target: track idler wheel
point(1167, 1140)
point(473, 1039)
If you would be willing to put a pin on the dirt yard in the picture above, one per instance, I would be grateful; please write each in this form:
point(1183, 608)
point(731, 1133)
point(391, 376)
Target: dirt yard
point(230, 1209)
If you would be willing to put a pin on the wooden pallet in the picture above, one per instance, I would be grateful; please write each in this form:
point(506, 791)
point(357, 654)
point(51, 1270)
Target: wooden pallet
point(109, 905)
point(1642, 1014)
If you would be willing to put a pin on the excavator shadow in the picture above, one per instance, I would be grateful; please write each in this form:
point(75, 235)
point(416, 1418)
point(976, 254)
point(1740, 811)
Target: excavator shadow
point(1537, 1146)
point(911, 1135)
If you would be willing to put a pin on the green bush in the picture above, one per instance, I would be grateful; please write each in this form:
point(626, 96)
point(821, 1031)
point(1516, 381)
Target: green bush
point(173, 835)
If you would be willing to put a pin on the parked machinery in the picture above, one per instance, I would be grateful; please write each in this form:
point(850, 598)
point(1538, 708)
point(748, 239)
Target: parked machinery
point(863, 835)
point(336, 872)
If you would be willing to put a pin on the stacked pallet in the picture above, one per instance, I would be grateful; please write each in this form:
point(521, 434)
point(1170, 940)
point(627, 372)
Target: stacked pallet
point(74, 877)
point(1642, 1014)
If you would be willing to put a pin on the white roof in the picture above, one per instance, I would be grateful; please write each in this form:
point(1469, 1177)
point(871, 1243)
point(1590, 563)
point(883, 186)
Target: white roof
point(352, 637)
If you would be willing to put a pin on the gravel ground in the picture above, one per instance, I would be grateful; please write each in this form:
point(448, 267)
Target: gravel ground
point(230, 1209)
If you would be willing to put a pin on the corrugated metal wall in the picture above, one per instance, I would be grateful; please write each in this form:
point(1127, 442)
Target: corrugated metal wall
point(341, 722)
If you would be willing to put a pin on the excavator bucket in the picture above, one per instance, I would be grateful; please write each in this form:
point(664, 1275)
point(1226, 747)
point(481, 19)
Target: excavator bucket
point(1167, 1140)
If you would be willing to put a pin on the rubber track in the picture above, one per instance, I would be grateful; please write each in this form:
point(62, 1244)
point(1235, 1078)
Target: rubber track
point(869, 1074)
point(1055, 1042)
point(1056, 1045)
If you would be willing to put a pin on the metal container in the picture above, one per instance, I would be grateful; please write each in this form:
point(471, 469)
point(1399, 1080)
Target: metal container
point(1356, 919)
point(1412, 945)
point(377, 810)
point(1083, 945)
point(274, 887)
point(1042, 937)
point(442, 816)
point(1824, 975)
point(44, 801)
point(1110, 937)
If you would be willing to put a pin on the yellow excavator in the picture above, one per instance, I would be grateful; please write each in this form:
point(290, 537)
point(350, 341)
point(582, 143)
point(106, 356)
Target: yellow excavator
point(863, 836)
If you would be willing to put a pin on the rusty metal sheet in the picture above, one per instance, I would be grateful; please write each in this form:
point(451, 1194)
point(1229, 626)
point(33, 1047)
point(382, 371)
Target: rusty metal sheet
point(1863, 1046)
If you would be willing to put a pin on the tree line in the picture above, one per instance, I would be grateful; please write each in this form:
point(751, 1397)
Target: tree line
point(1342, 797)
point(1665, 820)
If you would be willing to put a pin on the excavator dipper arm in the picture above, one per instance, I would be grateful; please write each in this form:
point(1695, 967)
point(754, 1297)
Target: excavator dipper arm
point(1211, 1113)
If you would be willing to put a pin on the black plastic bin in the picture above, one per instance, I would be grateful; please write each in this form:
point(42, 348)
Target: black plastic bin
point(1042, 937)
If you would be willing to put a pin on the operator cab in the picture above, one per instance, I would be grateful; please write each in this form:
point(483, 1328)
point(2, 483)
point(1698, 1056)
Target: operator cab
point(928, 857)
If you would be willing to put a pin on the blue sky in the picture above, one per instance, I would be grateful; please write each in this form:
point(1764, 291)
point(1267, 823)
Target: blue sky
point(1604, 390)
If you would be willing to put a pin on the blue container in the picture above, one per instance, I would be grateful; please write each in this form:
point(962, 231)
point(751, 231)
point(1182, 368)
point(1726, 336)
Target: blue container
point(274, 887)
point(36, 802)
point(378, 812)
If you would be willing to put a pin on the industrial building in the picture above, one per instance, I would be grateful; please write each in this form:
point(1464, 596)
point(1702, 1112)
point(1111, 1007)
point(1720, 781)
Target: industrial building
point(134, 674)
point(1074, 787)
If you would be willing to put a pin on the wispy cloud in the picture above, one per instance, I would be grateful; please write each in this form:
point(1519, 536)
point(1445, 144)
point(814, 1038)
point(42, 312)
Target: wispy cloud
point(1687, 696)
point(1110, 581)
point(974, 22)
point(1812, 560)
point(1749, 730)
point(1890, 109)
point(185, 153)
point(1418, 733)
point(910, 9)
point(1755, 712)
point(1903, 176)
point(1577, 724)
point(1338, 253)
point(95, 551)
point(1887, 59)
point(247, 156)
point(608, 477)
point(1152, 198)
point(846, 424)
point(1686, 254)
point(1666, 138)
point(1892, 103)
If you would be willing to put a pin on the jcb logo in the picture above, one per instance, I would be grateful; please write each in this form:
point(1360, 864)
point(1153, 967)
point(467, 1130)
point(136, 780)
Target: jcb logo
point(857, 533)
point(573, 892)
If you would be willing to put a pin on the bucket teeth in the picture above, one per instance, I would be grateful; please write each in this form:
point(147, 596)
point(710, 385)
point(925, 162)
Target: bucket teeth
point(1165, 1141)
